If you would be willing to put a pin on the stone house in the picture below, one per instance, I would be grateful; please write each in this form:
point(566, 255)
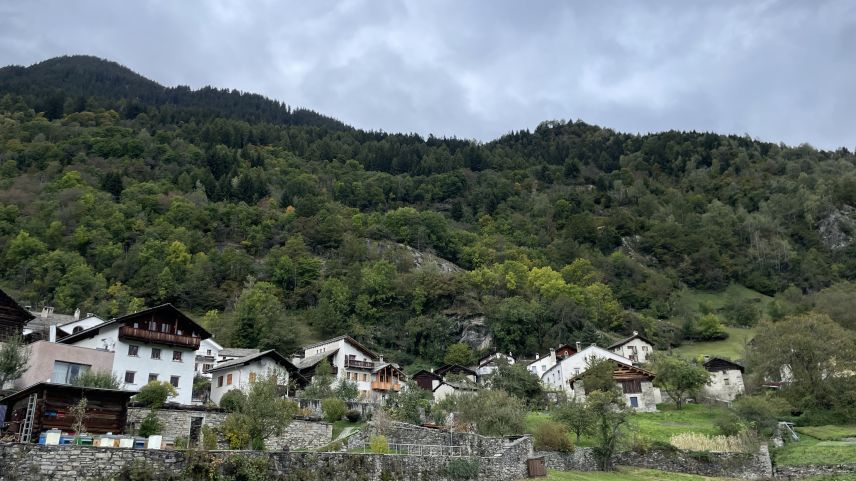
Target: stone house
point(243, 372)
point(726, 379)
point(636, 348)
point(636, 384)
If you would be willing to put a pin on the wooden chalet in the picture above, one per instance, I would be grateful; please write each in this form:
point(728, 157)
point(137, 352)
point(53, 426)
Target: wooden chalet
point(456, 369)
point(387, 377)
point(106, 410)
point(425, 379)
point(13, 317)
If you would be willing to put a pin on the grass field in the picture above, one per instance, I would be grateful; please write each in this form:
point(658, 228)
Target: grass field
point(732, 348)
point(809, 450)
point(828, 433)
point(338, 426)
point(626, 474)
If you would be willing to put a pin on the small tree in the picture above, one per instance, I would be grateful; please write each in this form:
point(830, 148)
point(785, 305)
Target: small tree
point(233, 400)
point(459, 353)
point(333, 409)
point(679, 378)
point(407, 406)
point(493, 412)
point(264, 413)
point(609, 414)
point(98, 379)
point(150, 424)
point(576, 416)
point(201, 387)
point(155, 394)
point(599, 375)
point(552, 436)
point(13, 360)
point(519, 382)
point(346, 390)
point(319, 387)
point(78, 414)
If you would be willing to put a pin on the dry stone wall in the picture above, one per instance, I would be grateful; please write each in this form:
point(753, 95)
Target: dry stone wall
point(403, 433)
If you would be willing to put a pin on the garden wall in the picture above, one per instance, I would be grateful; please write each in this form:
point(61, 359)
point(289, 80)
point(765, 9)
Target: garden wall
point(732, 465)
point(403, 433)
point(811, 470)
point(28, 462)
point(300, 434)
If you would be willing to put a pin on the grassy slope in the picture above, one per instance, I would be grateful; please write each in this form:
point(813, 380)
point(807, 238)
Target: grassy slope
point(828, 433)
point(626, 474)
point(819, 445)
point(688, 301)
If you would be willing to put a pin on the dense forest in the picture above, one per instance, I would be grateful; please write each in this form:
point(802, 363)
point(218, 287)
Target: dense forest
point(276, 225)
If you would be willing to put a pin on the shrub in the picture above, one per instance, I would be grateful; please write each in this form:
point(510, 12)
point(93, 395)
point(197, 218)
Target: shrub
point(353, 415)
point(247, 468)
point(713, 444)
point(100, 379)
point(729, 424)
point(233, 400)
point(236, 431)
point(379, 445)
point(150, 425)
point(761, 412)
point(155, 394)
point(181, 442)
point(209, 438)
point(553, 436)
point(460, 468)
point(505, 416)
point(333, 409)
point(335, 446)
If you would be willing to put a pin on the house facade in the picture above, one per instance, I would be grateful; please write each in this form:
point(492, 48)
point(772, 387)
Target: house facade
point(62, 363)
point(242, 373)
point(206, 356)
point(557, 377)
point(490, 363)
point(444, 389)
point(726, 380)
point(636, 384)
point(157, 344)
point(636, 348)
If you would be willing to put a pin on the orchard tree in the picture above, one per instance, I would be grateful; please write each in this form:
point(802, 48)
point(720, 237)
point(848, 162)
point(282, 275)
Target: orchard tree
point(679, 377)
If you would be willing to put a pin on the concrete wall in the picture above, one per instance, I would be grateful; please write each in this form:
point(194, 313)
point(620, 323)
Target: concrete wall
point(43, 354)
point(81, 463)
point(300, 434)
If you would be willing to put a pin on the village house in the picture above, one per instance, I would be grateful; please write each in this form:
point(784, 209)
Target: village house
point(543, 364)
point(726, 379)
point(206, 356)
point(13, 318)
point(446, 380)
point(636, 384)
point(442, 389)
point(636, 348)
point(557, 377)
point(157, 344)
point(62, 363)
point(487, 365)
point(241, 373)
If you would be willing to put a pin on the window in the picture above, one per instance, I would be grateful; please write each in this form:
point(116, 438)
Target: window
point(644, 348)
point(67, 372)
point(153, 377)
point(631, 386)
point(165, 328)
point(176, 356)
point(206, 367)
point(174, 381)
point(156, 353)
point(208, 352)
point(219, 381)
point(634, 402)
point(133, 351)
point(252, 377)
point(76, 329)
point(129, 377)
point(725, 380)
point(365, 377)
point(228, 379)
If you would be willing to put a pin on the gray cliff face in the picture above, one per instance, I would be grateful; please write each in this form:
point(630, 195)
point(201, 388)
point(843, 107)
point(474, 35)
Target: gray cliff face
point(837, 230)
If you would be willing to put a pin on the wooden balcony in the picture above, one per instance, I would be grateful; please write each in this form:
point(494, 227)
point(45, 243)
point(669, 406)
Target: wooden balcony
point(385, 386)
point(354, 364)
point(145, 335)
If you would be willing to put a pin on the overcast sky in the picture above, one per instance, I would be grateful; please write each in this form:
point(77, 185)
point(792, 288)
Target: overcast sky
point(776, 70)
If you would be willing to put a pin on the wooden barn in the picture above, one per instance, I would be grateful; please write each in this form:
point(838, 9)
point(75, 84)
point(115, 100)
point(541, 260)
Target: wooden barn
point(106, 410)
point(13, 317)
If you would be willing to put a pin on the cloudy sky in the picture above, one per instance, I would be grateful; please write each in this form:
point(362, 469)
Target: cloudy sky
point(776, 70)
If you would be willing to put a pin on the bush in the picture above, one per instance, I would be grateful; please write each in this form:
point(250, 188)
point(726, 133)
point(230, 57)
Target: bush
point(247, 468)
point(99, 379)
point(460, 468)
point(553, 436)
point(761, 412)
point(353, 415)
point(150, 425)
point(379, 445)
point(232, 400)
point(209, 438)
point(729, 424)
point(236, 431)
point(333, 409)
point(155, 394)
point(504, 417)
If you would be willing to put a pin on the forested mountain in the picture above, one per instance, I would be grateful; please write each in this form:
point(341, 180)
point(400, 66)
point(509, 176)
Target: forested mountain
point(278, 225)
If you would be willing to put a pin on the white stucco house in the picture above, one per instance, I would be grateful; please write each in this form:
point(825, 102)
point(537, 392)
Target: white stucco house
point(636, 348)
point(557, 377)
point(241, 373)
point(157, 344)
point(487, 365)
point(352, 361)
point(726, 379)
point(206, 356)
point(442, 389)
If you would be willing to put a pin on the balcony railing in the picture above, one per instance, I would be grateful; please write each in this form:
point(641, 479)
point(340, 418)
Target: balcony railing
point(353, 363)
point(145, 335)
point(385, 386)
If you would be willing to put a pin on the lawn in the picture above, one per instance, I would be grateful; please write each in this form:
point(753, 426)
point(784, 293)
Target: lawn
point(626, 474)
point(809, 450)
point(732, 348)
point(828, 433)
point(338, 426)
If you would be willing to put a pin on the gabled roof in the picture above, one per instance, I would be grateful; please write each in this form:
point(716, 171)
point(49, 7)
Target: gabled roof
point(423, 372)
point(10, 309)
point(622, 372)
point(458, 386)
point(237, 352)
point(622, 342)
point(442, 370)
point(720, 364)
point(350, 340)
point(385, 365)
point(252, 358)
point(203, 333)
point(311, 361)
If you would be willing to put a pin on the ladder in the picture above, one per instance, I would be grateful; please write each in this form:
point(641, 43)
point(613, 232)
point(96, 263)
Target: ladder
point(26, 433)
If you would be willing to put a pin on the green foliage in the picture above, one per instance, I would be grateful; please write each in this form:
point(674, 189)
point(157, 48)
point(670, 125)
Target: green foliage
point(458, 353)
point(333, 409)
point(609, 414)
point(729, 424)
point(575, 416)
point(707, 328)
point(209, 438)
point(408, 404)
point(320, 385)
point(379, 445)
point(14, 359)
point(598, 375)
point(78, 414)
point(761, 413)
point(240, 467)
point(678, 377)
point(233, 400)
point(236, 430)
point(552, 436)
point(155, 394)
point(462, 468)
point(99, 379)
point(346, 390)
point(519, 382)
point(353, 416)
point(150, 425)
point(201, 387)
point(505, 417)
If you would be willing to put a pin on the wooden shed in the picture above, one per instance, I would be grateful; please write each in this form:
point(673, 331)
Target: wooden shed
point(106, 411)
point(13, 317)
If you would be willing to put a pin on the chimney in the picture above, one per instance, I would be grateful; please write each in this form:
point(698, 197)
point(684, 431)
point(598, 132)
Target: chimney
point(77, 314)
point(537, 356)
point(635, 333)
point(52, 333)
point(381, 360)
point(579, 346)
point(47, 311)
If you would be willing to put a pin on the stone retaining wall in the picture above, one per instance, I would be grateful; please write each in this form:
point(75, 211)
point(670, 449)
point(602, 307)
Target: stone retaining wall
point(799, 472)
point(403, 433)
point(300, 434)
point(20, 462)
point(732, 465)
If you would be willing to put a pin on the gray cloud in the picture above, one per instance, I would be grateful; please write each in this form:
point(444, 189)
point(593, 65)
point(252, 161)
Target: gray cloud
point(776, 70)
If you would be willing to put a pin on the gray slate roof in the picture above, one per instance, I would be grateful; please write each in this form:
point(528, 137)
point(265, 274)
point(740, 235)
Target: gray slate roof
point(237, 352)
point(310, 361)
point(248, 359)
